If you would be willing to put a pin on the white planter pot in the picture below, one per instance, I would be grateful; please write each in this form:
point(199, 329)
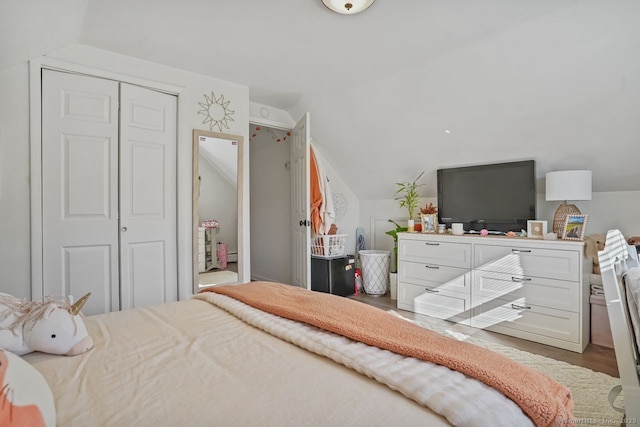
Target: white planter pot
point(393, 285)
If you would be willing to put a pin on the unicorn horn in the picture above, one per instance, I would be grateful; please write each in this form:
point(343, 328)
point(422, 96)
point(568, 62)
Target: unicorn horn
point(77, 306)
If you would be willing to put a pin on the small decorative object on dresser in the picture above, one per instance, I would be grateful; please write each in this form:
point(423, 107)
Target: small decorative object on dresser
point(429, 223)
point(429, 218)
point(574, 227)
point(210, 223)
point(536, 229)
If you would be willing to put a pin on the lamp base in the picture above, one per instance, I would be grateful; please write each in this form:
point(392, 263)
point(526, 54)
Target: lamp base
point(560, 217)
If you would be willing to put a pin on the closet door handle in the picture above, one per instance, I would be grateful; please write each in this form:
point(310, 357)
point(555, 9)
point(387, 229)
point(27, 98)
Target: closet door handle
point(123, 229)
point(305, 222)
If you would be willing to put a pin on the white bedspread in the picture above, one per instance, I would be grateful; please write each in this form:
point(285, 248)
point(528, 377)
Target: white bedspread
point(193, 364)
point(462, 400)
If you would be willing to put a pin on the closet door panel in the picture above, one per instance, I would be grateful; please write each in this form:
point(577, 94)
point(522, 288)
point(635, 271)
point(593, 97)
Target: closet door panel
point(147, 196)
point(79, 188)
point(143, 267)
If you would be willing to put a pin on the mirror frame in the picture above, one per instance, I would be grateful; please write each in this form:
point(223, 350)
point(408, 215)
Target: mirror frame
point(197, 133)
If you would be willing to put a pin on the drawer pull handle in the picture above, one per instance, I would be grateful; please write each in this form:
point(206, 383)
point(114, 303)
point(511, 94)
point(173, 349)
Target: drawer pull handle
point(520, 307)
point(520, 279)
point(517, 251)
point(431, 291)
point(431, 244)
point(435, 267)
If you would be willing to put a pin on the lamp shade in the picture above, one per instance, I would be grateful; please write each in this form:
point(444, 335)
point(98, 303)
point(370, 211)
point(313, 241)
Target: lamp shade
point(568, 185)
point(348, 7)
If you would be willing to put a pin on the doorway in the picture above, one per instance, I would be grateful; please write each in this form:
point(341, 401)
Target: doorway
point(270, 174)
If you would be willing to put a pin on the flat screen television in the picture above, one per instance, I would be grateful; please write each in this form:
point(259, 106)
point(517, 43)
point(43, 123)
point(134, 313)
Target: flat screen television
point(498, 197)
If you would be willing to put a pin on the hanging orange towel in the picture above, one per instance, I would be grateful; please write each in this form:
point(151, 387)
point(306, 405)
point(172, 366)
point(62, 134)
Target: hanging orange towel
point(316, 194)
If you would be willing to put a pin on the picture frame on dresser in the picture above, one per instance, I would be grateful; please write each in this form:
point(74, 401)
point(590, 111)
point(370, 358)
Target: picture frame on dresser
point(575, 227)
point(536, 229)
point(429, 223)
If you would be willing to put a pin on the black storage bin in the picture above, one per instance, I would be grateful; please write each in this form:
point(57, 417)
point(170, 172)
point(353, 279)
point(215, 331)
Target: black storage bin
point(335, 275)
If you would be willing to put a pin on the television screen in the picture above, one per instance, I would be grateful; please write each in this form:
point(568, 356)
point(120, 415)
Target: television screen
point(498, 197)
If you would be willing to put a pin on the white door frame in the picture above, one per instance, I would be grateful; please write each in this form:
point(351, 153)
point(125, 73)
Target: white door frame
point(35, 145)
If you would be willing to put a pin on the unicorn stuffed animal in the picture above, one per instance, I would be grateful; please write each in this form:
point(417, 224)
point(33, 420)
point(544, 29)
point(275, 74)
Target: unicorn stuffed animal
point(55, 327)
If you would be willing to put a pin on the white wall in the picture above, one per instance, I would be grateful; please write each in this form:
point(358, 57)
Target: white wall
point(15, 245)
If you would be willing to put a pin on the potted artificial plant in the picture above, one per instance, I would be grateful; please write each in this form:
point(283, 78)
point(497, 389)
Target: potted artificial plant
point(394, 234)
point(393, 274)
point(408, 197)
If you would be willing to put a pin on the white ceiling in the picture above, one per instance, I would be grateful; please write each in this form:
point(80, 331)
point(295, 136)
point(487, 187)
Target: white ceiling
point(557, 81)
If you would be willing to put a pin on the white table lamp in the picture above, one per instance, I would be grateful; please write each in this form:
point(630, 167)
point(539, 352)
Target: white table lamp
point(565, 186)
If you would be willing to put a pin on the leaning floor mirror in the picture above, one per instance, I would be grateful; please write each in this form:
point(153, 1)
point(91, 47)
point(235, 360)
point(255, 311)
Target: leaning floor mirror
point(215, 208)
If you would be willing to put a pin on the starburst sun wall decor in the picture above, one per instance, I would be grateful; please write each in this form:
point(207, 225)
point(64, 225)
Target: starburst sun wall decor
point(216, 112)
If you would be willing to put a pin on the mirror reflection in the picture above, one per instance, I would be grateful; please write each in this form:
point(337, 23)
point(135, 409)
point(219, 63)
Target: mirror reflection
point(216, 210)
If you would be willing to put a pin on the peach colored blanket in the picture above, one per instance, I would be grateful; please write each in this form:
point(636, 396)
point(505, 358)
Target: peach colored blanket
point(544, 400)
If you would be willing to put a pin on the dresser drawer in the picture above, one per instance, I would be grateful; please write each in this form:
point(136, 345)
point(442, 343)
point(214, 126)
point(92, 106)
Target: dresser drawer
point(558, 294)
point(524, 261)
point(435, 276)
point(502, 316)
point(452, 306)
point(435, 252)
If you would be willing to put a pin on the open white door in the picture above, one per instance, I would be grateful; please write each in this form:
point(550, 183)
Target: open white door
point(301, 232)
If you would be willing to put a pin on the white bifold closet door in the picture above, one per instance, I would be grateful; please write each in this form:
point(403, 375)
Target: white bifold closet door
point(108, 192)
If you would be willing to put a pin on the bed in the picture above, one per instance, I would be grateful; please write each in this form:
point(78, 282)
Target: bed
point(221, 359)
point(621, 281)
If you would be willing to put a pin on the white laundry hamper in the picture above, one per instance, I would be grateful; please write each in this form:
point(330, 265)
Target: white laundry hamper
point(375, 271)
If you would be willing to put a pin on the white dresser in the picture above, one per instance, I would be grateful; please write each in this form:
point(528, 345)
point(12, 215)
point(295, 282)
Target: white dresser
point(532, 289)
point(207, 249)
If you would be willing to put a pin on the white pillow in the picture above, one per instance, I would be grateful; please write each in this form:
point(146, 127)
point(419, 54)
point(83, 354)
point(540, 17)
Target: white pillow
point(29, 400)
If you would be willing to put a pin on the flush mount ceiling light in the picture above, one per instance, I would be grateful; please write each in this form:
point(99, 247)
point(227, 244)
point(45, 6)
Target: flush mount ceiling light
point(348, 7)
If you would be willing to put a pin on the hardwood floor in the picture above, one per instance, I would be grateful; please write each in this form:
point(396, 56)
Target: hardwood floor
point(595, 357)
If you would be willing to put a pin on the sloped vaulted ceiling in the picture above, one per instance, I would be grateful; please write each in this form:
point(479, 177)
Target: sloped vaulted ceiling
point(409, 85)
